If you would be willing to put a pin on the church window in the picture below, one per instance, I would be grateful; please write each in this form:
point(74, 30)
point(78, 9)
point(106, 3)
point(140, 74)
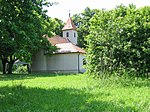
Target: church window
point(67, 34)
point(74, 34)
point(84, 61)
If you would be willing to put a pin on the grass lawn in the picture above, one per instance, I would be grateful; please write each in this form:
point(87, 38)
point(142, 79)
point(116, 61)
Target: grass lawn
point(72, 93)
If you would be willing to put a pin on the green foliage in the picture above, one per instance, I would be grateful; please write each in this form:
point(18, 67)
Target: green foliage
point(119, 41)
point(126, 80)
point(73, 93)
point(21, 70)
point(82, 22)
point(0, 66)
point(23, 23)
point(58, 25)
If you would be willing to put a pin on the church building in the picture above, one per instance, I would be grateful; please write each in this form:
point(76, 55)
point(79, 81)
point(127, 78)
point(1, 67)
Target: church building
point(67, 59)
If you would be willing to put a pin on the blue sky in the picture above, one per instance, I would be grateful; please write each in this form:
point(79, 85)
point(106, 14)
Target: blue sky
point(61, 10)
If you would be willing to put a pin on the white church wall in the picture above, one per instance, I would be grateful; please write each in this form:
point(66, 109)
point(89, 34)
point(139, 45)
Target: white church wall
point(63, 63)
point(39, 62)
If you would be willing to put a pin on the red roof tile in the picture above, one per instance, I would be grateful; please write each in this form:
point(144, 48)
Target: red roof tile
point(58, 40)
point(69, 25)
point(64, 45)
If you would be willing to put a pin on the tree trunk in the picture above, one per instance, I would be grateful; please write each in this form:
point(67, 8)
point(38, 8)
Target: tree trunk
point(4, 67)
point(4, 61)
point(10, 66)
point(28, 68)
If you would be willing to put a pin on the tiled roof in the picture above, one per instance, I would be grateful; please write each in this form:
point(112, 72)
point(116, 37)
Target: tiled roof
point(69, 48)
point(69, 25)
point(58, 40)
point(64, 45)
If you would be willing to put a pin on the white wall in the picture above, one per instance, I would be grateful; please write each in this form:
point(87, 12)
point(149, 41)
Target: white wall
point(62, 62)
point(71, 36)
point(38, 62)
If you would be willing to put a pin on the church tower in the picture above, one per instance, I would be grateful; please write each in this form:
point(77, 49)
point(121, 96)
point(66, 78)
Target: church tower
point(70, 31)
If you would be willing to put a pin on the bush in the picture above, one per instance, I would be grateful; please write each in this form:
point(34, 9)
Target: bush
point(21, 70)
point(119, 42)
point(126, 80)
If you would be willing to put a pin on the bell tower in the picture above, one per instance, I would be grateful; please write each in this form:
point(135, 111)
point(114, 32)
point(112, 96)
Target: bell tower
point(70, 31)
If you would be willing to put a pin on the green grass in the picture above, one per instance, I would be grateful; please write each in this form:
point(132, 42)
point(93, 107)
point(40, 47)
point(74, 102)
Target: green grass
point(73, 93)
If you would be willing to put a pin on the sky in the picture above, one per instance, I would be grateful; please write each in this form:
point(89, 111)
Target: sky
point(61, 10)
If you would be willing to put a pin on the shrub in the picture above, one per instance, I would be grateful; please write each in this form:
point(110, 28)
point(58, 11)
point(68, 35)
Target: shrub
point(21, 70)
point(119, 41)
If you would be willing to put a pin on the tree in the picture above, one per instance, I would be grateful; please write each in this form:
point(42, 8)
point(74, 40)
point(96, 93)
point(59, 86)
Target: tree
point(119, 41)
point(0, 66)
point(58, 25)
point(82, 21)
point(22, 23)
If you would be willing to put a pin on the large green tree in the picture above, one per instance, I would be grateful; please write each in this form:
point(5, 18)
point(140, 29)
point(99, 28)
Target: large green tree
point(119, 41)
point(82, 21)
point(22, 25)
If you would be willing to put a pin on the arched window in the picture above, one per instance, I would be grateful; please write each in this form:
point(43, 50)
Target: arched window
point(67, 34)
